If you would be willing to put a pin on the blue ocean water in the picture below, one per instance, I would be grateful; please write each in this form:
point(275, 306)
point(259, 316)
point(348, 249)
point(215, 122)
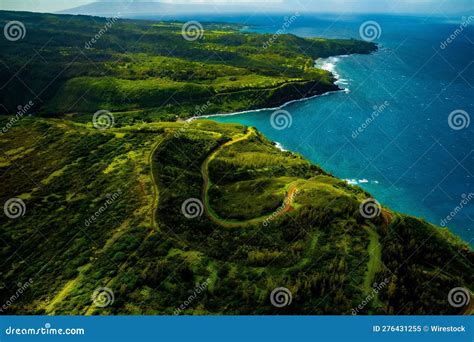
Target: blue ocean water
point(390, 131)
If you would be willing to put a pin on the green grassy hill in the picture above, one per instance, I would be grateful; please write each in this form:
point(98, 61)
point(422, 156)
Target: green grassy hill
point(152, 206)
point(134, 180)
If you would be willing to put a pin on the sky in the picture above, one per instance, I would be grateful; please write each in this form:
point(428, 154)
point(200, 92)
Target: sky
point(356, 6)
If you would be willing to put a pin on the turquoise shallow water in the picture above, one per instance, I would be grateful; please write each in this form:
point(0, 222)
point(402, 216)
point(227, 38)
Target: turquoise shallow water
point(389, 132)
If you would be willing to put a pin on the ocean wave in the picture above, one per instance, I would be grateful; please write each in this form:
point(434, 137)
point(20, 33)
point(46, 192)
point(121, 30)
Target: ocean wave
point(280, 146)
point(360, 181)
point(329, 64)
point(342, 81)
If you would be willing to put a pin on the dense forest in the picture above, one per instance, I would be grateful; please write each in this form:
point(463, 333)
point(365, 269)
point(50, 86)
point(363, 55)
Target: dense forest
point(148, 65)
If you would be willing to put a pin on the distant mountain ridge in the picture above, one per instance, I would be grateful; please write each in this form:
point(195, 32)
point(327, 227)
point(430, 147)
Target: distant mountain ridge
point(156, 8)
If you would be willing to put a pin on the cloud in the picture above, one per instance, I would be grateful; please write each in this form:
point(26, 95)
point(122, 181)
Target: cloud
point(41, 5)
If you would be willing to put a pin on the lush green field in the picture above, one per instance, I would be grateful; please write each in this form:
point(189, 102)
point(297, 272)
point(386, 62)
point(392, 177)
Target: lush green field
point(106, 208)
point(321, 249)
